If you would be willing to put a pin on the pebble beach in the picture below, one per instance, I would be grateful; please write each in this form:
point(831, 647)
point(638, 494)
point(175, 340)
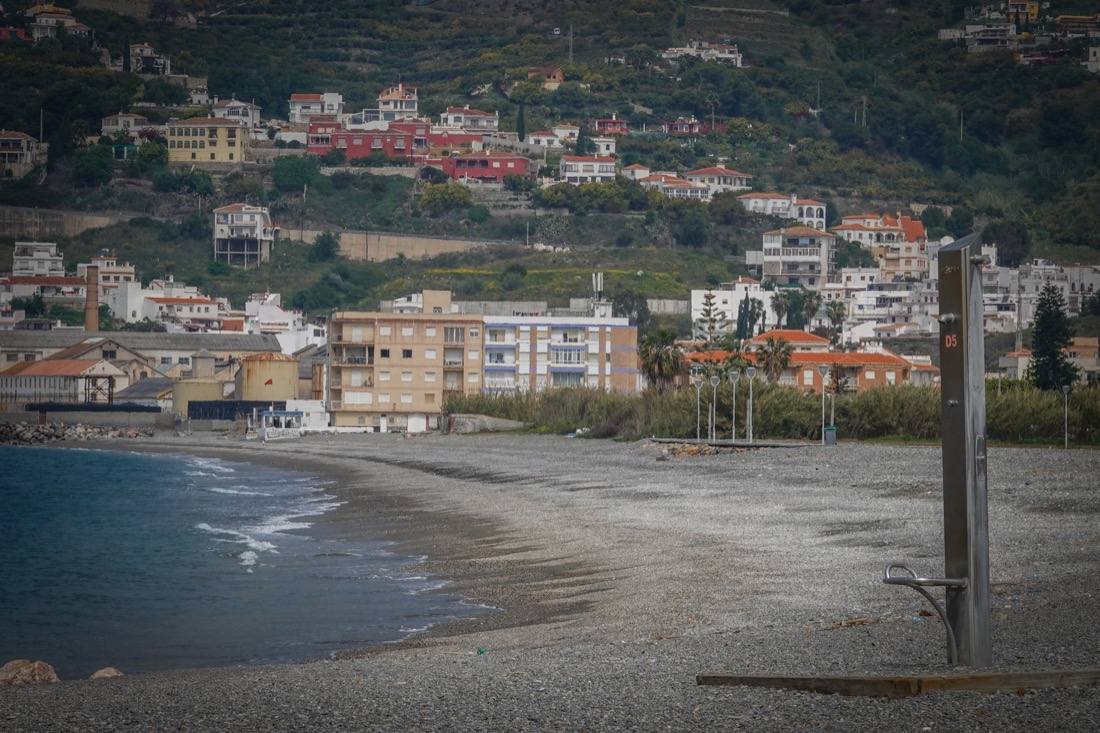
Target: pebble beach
point(619, 572)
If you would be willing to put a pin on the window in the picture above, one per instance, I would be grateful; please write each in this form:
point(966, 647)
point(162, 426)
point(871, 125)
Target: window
point(406, 353)
point(383, 353)
point(384, 397)
point(454, 335)
point(406, 331)
point(406, 399)
point(184, 360)
point(406, 376)
point(429, 398)
point(110, 354)
point(165, 360)
point(471, 355)
point(383, 376)
point(891, 377)
point(471, 377)
point(808, 377)
point(12, 357)
point(430, 331)
point(30, 357)
point(429, 353)
point(429, 376)
point(356, 378)
point(384, 331)
point(869, 374)
point(474, 333)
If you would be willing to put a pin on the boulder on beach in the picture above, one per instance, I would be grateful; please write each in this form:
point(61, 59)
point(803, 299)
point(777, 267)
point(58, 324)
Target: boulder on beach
point(105, 673)
point(26, 672)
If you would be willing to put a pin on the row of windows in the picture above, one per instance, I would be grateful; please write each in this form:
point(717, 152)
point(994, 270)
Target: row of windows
point(196, 144)
point(200, 132)
point(15, 357)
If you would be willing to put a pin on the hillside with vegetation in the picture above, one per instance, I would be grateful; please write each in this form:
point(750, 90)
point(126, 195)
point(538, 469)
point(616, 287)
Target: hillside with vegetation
point(855, 103)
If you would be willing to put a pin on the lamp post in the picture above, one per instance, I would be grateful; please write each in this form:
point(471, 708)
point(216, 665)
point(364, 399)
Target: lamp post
point(823, 369)
point(715, 380)
point(1065, 413)
point(697, 382)
point(750, 372)
point(734, 375)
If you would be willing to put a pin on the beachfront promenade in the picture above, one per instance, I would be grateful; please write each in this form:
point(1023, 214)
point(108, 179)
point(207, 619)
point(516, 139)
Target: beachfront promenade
point(620, 577)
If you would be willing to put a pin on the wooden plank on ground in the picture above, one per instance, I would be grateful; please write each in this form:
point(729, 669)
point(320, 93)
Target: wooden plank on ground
point(910, 685)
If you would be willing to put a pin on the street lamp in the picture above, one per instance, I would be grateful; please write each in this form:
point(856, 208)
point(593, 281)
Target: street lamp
point(715, 380)
point(697, 382)
point(750, 372)
point(823, 369)
point(1065, 414)
point(734, 375)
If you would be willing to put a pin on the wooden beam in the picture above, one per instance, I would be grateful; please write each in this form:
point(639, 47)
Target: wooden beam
point(910, 685)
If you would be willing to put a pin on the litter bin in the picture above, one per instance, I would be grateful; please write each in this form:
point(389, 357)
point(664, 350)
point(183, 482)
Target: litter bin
point(830, 435)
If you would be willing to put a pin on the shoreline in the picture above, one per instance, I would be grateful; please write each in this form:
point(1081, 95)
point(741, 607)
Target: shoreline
point(624, 573)
point(444, 545)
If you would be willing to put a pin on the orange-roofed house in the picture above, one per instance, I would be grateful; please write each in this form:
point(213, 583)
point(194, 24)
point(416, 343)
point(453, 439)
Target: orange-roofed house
point(398, 102)
point(855, 371)
point(676, 187)
point(69, 381)
point(1015, 363)
point(720, 179)
point(20, 153)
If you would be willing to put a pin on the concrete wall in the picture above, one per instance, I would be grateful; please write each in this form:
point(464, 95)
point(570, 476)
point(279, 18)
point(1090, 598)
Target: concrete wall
point(46, 224)
point(378, 246)
point(409, 171)
point(108, 419)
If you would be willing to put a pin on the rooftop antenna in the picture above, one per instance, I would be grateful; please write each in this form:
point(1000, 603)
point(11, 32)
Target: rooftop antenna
point(597, 285)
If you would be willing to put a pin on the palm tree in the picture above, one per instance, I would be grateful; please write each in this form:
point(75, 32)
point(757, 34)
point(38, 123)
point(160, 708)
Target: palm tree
point(781, 303)
point(661, 357)
point(773, 357)
point(811, 304)
point(836, 312)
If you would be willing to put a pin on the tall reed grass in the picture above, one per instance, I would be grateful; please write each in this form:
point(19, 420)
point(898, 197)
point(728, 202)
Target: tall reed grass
point(1017, 414)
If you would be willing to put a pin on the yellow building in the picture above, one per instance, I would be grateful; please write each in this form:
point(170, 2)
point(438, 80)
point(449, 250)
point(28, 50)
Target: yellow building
point(207, 140)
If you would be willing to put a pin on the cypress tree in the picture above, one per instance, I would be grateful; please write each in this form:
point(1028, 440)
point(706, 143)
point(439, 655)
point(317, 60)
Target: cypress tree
point(1050, 368)
point(126, 56)
point(521, 123)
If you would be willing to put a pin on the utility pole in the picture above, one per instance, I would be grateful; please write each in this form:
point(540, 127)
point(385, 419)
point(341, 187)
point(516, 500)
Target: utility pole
point(570, 43)
point(960, 125)
point(863, 121)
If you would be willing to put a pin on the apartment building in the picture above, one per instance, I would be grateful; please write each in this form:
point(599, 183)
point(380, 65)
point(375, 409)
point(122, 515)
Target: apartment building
point(206, 140)
point(246, 113)
point(304, 106)
point(112, 273)
point(392, 371)
point(465, 118)
point(533, 353)
point(798, 256)
point(720, 179)
point(578, 169)
point(243, 235)
point(398, 102)
point(37, 259)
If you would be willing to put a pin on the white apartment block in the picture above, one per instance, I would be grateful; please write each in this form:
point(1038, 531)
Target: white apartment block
point(304, 106)
point(246, 113)
point(533, 353)
point(808, 212)
point(166, 301)
point(706, 51)
point(798, 255)
point(578, 169)
point(243, 235)
point(604, 145)
point(124, 123)
point(37, 259)
point(264, 314)
point(112, 273)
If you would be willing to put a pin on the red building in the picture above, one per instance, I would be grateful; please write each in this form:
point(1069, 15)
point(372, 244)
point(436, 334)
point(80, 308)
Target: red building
point(608, 126)
point(400, 140)
point(490, 167)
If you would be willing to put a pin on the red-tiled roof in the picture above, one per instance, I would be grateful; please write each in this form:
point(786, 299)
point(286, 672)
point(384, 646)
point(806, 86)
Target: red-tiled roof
point(764, 195)
point(469, 111)
point(636, 167)
point(15, 134)
point(791, 335)
point(717, 171)
point(808, 202)
point(52, 368)
point(914, 228)
point(811, 358)
point(305, 97)
point(55, 280)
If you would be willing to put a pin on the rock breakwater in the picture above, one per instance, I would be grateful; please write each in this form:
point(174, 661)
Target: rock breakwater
point(30, 434)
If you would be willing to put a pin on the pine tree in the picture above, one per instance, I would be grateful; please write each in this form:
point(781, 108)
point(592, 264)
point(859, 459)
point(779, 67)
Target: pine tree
point(583, 143)
point(521, 123)
point(711, 323)
point(1050, 368)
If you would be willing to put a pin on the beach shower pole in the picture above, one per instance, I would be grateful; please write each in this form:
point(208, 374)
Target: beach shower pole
point(750, 372)
point(697, 382)
point(715, 380)
point(734, 375)
point(822, 369)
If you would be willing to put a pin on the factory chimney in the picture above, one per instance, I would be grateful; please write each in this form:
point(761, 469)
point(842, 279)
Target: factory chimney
point(91, 301)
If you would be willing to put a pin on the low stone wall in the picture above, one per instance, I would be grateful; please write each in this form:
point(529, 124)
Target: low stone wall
point(47, 224)
point(25, 433)
point(379, 246)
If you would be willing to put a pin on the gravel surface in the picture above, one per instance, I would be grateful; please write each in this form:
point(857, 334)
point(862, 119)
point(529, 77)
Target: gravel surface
point(621, 576)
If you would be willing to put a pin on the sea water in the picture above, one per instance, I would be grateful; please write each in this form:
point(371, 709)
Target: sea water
point(149, 562)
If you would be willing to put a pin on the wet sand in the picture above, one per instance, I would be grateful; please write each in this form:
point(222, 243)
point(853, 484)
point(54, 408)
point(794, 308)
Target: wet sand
point(620, 576)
